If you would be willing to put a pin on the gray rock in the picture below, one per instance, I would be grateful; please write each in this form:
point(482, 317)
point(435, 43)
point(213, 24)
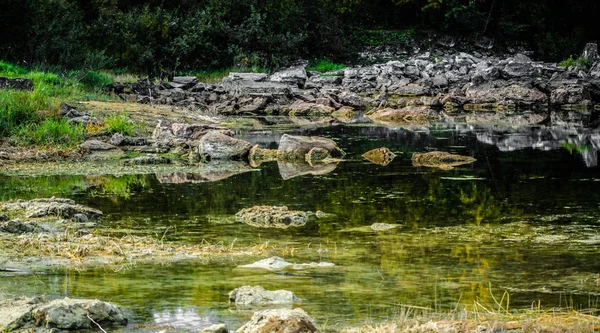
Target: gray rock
point(301, 108)
point(184, 82)
point(595, 70)
point(257, 295)
point(165, 130)
point(280, 321)
point(18, 84)
point(64, 314)
point(96, 145)
point(272, 217)
point(440, 81)
point(272, 264)
point(82, 218)
point(119, 139)
point(216, 328)
point(295, 76)
point(382, 226)
point(296, 147)
point(19, 227)
point(4, 217)
point(254, 77)
point(65, 208)
point(590, 52)
point(215, 145)
point(571, 94)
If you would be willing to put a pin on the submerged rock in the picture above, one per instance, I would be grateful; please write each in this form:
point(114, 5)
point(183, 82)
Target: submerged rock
point(277, 263)
point(441, 160)
point(258, 295)
point(382, 156)
point(321, 264)
point(216, 328)
point(280, 321)
point(63, 314)
point(272, 217)
point(65, 208)
point(216, 146)
point(272, 264)
point(19, 227)
point(382, 226)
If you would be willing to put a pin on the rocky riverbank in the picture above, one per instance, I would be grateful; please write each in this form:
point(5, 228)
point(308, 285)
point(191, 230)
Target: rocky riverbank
point(406, 89)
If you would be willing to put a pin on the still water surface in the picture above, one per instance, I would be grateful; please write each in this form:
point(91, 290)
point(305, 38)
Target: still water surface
point(523, 219)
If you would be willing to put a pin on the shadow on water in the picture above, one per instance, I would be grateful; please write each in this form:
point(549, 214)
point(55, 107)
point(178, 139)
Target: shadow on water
point(523, 218)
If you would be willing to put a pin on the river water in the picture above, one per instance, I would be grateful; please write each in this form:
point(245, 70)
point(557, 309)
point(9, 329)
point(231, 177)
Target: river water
point(524, 219)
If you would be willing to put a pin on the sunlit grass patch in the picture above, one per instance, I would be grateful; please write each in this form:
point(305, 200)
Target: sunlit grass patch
point(120, 123)
point(324, 65)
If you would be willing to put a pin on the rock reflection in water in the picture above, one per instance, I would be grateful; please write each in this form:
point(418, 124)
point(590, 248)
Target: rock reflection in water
point(210, 172)
point(289, 170)
point(185, 319)
point(583, 141)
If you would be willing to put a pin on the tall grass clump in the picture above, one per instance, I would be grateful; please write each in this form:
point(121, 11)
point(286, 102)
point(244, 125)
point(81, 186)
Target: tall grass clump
point(120, 123)
point(50, 132)
point(31, 117)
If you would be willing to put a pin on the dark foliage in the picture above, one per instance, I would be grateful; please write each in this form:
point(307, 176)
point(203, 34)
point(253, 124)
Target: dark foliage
point(166, 36)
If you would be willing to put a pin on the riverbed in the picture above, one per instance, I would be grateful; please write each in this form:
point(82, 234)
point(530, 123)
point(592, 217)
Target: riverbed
point(523, 220)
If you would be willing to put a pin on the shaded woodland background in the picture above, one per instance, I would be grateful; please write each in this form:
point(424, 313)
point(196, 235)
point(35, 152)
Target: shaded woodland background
point(158, 35)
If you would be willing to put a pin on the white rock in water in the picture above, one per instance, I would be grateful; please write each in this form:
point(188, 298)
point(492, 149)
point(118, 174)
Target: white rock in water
point(272, 264)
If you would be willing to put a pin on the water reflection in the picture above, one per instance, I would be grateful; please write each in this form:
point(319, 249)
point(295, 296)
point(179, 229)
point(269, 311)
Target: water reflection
point(524, 218)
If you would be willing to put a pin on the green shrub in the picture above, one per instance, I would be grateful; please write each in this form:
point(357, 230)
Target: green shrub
point(571, 62)
point(324, 65)
point(120, 123)
point(50, 132)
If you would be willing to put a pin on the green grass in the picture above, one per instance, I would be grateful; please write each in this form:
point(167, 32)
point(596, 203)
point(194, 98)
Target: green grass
point(324, 65)
point(50, 132)
point(571, 62)
point(120, 123)
point(31, 117)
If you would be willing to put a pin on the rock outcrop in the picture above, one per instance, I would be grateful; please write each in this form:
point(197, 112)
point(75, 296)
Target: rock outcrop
point(63, 314)
point(273, 217)
point(59, 207)
point(215, 145)
point(280, 321)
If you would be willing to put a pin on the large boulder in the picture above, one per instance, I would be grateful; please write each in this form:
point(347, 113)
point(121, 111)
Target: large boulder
point(406, 115)
point(272, 217)
point(280, 321)
point(64, 314)
point(65, 208)
point(295, 76)
point(19, 84)
point(166, 131)
point(301, 108)
point(257, 295)
point(293, 147)
point(508, 95)
point(19, 227)
point(218, 146)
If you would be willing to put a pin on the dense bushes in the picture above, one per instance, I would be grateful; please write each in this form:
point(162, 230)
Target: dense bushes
point(169, 36)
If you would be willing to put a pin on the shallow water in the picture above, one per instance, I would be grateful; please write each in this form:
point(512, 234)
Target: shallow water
point(524, 218)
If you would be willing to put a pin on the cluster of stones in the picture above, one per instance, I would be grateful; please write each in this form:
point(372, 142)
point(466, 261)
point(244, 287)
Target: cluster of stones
point(426, 80)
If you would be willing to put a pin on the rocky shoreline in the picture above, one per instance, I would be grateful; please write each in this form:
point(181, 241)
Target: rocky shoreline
point(408, 89)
